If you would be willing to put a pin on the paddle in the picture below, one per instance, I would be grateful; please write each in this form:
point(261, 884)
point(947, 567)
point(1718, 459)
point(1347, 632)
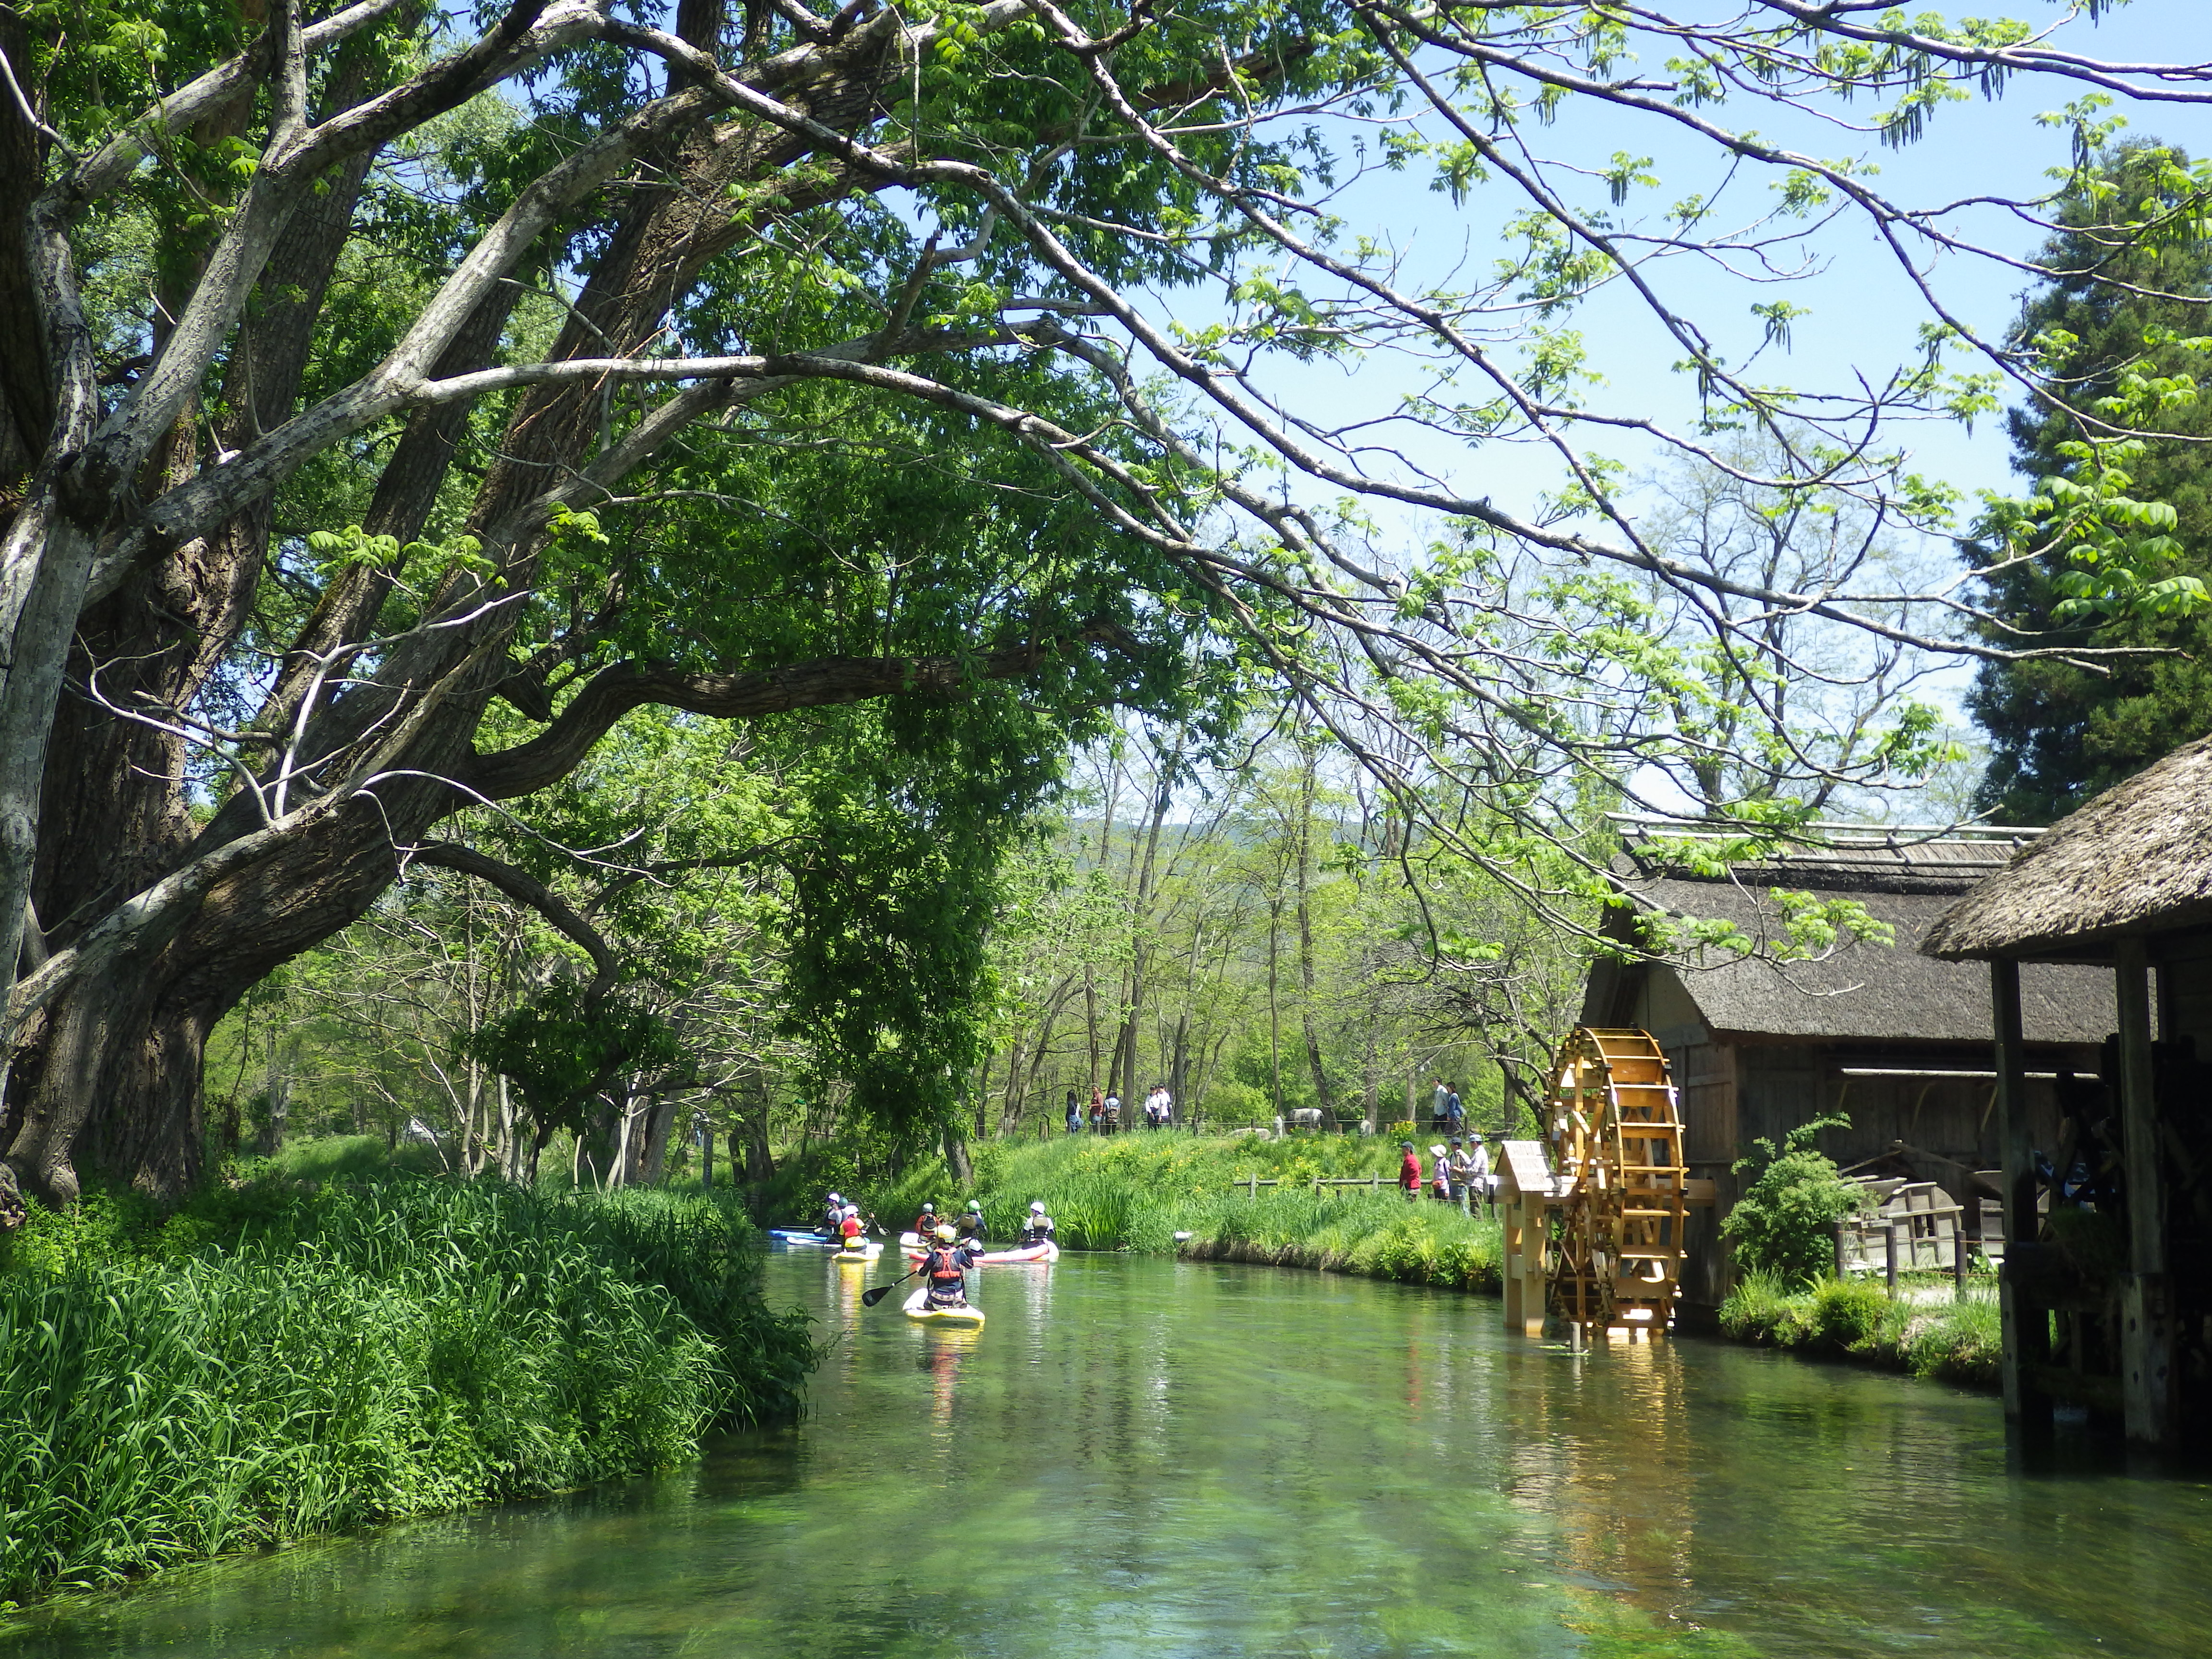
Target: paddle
point(869, 1298)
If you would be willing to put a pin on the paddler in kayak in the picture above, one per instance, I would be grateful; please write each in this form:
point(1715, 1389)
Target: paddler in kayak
point(833, 1216)
point(1037, 1226)
point(944, 1272)
point(970, 1229)
point(925, 1225)
point(850, 1228)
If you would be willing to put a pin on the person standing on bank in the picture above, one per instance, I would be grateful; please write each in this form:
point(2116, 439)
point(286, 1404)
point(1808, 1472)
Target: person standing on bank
point(1455, 1112)
point(1074, 1114)
point(1438, 1104)
point(1409, 1169)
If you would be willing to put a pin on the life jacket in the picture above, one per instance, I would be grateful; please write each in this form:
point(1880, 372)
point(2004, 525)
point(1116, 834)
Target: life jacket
point(942, 1272)
point(1038, 1231)
point(850, 1227)
point(925, 1225)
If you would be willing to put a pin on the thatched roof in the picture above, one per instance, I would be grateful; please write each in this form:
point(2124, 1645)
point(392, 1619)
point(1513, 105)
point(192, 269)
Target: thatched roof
point(2136, 859)
point(1833, 857)
point(1861, 992)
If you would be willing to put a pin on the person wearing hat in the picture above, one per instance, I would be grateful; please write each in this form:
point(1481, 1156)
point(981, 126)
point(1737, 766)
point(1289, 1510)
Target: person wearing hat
point(944, 1271)
point(833, 1212)
point(925, 1225)
point(1440, 1176)
point(1409, 1169)
point(1037, 1226)
point(969, 1228)
point(1462, 1169)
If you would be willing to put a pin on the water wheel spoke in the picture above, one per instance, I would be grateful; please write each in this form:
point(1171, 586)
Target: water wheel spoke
point(1617, 1134)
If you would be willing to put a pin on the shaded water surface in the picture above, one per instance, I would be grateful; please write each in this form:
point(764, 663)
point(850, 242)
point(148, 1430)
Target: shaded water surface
point(1143, 1458)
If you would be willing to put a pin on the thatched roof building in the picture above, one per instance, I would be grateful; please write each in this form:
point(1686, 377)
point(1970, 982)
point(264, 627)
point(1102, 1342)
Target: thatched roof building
point(1897, 1041)
point(1860, 992)
point(2126, 1174)
point(2135, 861)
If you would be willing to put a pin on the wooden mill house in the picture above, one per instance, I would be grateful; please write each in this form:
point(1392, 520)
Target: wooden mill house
point(1898, 1041)
point(2108, 1206)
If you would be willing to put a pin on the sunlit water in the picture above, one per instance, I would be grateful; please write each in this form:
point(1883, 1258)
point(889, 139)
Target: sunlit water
point(1141, 1458)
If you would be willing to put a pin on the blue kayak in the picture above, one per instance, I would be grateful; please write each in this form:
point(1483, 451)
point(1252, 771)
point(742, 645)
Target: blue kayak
point(803, 1235)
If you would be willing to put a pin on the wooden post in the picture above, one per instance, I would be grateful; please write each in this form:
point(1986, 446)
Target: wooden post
point(1889, 1257)
point(1958, 1264)
point(2146, 1313)
point(2027, 1325)
point(1256, 1183)
point(706, 1159)
point(1836, 1231)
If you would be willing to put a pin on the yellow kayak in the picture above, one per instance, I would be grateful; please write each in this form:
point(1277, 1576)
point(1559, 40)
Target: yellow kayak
point(868, 1251)
point(967, 1318)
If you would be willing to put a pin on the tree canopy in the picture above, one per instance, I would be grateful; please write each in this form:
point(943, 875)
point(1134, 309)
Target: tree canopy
point(398, 397)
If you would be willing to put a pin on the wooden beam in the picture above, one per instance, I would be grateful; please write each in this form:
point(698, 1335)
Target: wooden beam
point(2146, 1319)
point(2026, 1323)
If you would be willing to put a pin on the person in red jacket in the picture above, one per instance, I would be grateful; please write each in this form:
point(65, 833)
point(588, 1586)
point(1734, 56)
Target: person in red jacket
point(1409, 1171)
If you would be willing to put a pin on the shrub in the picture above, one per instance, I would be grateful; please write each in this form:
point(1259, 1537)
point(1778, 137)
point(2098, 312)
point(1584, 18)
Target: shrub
point(1850, 1313)
point(1228, 1101)
point(1762, 1308)
point(1961, 1342)
point(1782, 1224)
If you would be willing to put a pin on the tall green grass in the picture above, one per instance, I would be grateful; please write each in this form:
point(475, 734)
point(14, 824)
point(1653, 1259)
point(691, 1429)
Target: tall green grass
point(1954, 1341)
point(1137, 1191)
point(288, 1359)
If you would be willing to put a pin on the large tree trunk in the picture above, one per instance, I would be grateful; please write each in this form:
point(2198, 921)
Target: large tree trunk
point(101, 820)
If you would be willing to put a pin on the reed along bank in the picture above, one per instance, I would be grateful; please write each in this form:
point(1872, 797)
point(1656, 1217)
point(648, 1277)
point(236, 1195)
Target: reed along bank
point(284, 1357)
point(1136, 1191)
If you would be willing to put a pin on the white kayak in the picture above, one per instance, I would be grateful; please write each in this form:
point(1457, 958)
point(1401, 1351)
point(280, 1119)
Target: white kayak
point(966, 1317)
point(1047, 1252)
point(800, 1235)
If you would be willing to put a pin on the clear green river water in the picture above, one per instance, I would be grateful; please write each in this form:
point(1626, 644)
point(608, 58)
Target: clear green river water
point(1140, 1459)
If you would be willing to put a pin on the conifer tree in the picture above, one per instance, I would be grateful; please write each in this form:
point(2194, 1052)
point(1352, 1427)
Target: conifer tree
point(2062, 732)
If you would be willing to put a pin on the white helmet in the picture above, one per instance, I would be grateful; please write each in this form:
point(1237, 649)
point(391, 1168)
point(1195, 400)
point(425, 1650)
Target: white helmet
point(852, 1209)
point(1036, 1206)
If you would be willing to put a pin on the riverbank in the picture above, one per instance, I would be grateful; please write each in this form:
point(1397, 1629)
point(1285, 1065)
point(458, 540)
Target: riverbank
point(1949, 1341)
point(288, 1355)
point(1139, 1191)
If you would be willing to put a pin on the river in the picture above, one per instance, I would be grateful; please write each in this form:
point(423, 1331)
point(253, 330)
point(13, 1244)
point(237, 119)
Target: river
point(1139, 1459)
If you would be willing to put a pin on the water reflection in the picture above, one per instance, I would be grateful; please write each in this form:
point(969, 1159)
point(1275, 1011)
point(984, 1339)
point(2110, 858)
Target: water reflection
point(1136, 1459)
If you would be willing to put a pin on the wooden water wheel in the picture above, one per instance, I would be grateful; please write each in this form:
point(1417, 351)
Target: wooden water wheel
point(1616, 1134)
